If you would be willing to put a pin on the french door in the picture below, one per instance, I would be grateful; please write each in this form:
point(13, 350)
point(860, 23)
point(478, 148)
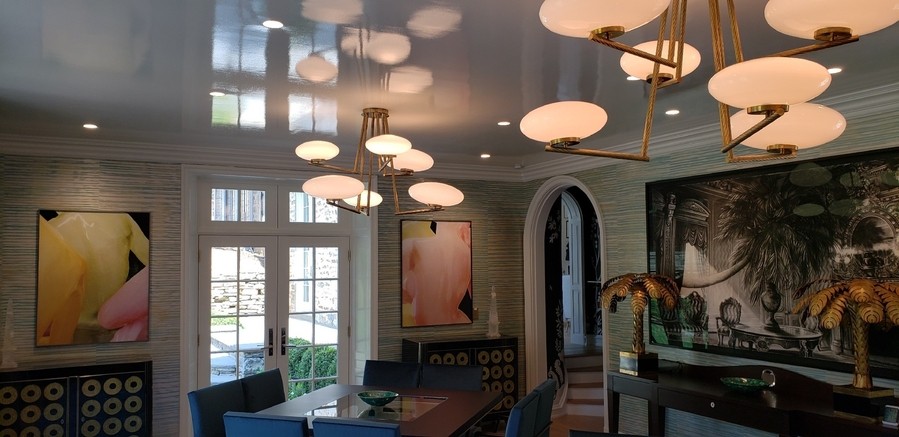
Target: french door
point(274, 302)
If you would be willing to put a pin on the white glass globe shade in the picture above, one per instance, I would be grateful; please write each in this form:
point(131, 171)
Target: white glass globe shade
point(333, 187)
point(388, 48)
point(414, 160)
point(768, 81)
point(332, 11)
point(577, 18)
point(801, 18)
point(434, 21)
point(642, 68)
point(562, 120)
point(436, 193)
point(376, 199)
point(388, 144)
point(317, 149)
point(805, 125)
point(316, 69)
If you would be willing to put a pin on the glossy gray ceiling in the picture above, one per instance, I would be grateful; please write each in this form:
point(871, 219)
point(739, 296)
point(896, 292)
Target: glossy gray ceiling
point(448, 71)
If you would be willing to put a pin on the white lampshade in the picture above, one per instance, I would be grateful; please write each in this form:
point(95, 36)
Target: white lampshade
point(767, 81)
point(436, 193)
point(434, 21)
point(642, 68)
point(577, 18)
point(316, 69)
point(805, 125)
point(333, 187)
point(332, 11)
point(563, 119)
point(387, 144)
point(388, 48)
point(317, 149)
point(376, 199)
point(414, 160)
point(801, 18)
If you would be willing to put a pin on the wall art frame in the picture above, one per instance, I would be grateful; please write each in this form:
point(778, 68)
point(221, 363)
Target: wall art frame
point(740, 244)
point(436, 273)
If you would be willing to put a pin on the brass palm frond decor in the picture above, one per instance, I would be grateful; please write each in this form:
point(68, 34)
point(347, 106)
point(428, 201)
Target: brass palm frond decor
point(866, 301)
point(641, 287)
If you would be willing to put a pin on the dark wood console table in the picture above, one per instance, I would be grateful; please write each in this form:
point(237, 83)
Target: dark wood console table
point(796, 405)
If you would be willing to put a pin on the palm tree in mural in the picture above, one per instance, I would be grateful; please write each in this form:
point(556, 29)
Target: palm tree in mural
point(641, 287)
point(867, 302)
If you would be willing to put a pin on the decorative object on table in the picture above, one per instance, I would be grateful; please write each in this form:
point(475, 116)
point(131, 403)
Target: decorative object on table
point(769, 377)
point(493, 318)
point(641, 287)
point(8, 349)
point(890, 416)
point(436, 273)
point(93, 277)
point(731, 235)
point(866, 302)
point(748, 385)
point(377, 398)
point(771, 300)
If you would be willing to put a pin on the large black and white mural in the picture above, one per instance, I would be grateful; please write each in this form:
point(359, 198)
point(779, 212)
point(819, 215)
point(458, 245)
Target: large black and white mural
point(742, 243)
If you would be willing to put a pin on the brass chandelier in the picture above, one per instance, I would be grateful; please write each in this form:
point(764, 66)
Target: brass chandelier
point(378, 153)
point(764, 90)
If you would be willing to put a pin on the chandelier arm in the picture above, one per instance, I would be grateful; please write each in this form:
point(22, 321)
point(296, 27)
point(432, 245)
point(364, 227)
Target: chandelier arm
point(321, 164)
point(735, 32)
point(784, 154)
point(430, 208)
point(396, 197)
point(335, 202)
point(681, 27)
point(596, 37)
point(772, 114)
point(717, 38)
point(815, 47)
point(597, 153)
point(650, 108)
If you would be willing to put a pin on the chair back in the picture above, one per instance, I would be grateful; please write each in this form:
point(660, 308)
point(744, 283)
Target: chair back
point(391, 373)
point(523, 417)
point(547, 397)
point(263, 390)
point(209, 404)
point(452, 377)
point(344, 427)
point(730, 311)
point(240, 424)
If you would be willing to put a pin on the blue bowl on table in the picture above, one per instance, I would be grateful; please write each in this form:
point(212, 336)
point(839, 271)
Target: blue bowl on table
point(377, 398)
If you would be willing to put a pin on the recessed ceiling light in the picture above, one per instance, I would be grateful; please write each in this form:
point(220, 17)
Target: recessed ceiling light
point(485, 155)
point(834, 70)
point(273, 24)
point(633, 78)
point(89, 126)
point(672, 112)
point(503, 123)
point(216, 93)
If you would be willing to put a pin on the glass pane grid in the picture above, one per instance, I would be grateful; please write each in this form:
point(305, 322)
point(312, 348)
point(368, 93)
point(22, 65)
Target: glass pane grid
point(307, 209)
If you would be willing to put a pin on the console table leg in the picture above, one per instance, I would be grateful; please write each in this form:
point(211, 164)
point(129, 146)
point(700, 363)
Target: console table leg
point(614, 398)
point(656, 419)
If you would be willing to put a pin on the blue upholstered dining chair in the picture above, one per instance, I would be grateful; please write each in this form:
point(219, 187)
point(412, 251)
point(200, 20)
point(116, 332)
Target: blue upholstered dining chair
point(345, 427)
point(523, 416)
point(263, 390)
point(391, 373)
point(546, 392)
point(239, 424)
point(209, 404)
point(445, 376)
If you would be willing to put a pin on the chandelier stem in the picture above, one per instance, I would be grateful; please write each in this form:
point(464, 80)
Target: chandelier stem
point(772, 114)
point(628, 49)
point(815, 47)
point(597, 153)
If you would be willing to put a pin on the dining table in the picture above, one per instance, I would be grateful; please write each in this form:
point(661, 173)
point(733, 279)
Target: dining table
point(420, 412)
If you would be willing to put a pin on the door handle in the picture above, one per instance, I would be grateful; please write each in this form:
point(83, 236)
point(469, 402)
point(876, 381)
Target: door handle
point(283, 341)
point(271, 341)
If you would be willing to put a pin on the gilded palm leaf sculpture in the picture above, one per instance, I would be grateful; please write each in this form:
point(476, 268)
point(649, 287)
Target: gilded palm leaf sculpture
point(867, 302)
point(641, 287)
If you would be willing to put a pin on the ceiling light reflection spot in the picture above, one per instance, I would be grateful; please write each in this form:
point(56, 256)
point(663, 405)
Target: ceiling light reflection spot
point(89, 126)
point(216, 93)
point(834, 70)
point(633, 78)
point(273, 24)
point(485, 155)
point(672, 112)
point(504, 123)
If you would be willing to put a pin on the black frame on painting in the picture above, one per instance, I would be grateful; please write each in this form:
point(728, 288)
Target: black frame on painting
point(435, 264)
point(740, 243)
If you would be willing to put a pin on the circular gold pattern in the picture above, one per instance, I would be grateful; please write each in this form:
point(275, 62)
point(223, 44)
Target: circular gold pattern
point(7, 433)
point(462, 359)
point(53, 391)
point(133, 384)
point(485, 373)
point(90, 388)
point(112, 426)
point(508, 371)
point(90, 408)
point(112, 386)
point(31, 431)
point(54, 430)
point(495, 356)
point(133, 404)
point(508, 386)
point(496, 386)
point(508, 402)
point(435, 359)
point(31, 393)
point(485, 386)
point(483, 357)
point(508, 355)
point(8, 417)
point(90, 428)
point(449, 358)
point(8, 395)
point(53, 412)
point(112, 406)
point(496, 372)
point(30, 414)
point(133, 424)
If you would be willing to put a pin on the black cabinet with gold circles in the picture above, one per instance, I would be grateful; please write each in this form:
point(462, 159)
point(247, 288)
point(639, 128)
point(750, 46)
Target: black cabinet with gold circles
point(497, 356)
point(102, 400)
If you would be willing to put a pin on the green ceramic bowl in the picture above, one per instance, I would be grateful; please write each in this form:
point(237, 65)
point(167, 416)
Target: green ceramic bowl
point(744, 384)
point(377, 398)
